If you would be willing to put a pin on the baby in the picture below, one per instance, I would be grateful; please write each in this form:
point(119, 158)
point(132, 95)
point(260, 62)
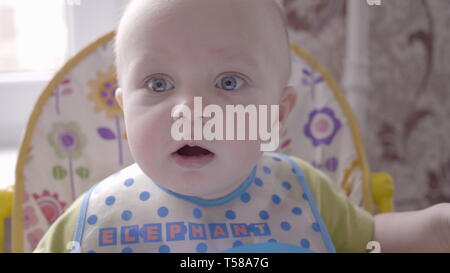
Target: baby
point(214, 195)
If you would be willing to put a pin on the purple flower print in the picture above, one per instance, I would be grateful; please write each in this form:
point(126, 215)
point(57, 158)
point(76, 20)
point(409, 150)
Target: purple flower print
point(331, 164)
point(68, 142)
point(311, 80)
point(102, 93)
point(322, 126)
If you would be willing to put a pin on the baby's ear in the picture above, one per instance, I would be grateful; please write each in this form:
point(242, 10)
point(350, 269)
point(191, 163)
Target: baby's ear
point(288, 101)
point(118, 95)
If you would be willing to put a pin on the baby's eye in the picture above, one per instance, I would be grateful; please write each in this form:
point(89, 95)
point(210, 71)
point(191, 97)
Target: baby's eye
point(230, 82)
point(158, 84)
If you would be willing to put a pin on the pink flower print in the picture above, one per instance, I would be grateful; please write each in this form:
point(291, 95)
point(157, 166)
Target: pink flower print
point(26, 196)
point(50, 205)
point(30, 218)
point(34, 237)
point(63, 89)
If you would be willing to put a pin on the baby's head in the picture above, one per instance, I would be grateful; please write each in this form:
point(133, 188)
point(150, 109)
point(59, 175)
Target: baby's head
point(228, 52)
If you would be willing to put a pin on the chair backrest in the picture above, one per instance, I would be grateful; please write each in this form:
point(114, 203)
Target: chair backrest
point(324, 131)
point(75, 137)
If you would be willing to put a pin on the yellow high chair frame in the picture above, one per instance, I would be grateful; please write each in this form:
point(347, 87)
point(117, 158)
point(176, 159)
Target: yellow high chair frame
point(6, 197)
point(377, 188)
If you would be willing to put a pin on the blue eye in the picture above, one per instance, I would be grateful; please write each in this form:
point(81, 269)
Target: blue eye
point(231, 83)
point(158, 84)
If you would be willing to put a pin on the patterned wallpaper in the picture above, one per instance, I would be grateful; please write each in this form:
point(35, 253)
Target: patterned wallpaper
point(407, 104)
point(319, 27)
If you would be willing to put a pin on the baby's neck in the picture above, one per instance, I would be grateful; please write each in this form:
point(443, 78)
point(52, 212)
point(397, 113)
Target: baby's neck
point(235, 186)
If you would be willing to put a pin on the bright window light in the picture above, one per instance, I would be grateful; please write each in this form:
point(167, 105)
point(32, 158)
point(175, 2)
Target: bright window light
point(33, 35)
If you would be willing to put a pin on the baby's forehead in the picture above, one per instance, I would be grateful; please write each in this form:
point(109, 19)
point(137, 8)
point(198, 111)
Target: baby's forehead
point(224, 28)
point(161, 13)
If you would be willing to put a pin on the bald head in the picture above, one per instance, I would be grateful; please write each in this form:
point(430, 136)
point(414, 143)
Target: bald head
point(256, 25)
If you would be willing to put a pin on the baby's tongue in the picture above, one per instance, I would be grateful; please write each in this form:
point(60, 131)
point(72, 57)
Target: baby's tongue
point(193, 151)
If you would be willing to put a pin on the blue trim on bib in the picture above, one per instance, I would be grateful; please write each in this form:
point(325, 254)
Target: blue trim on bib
point(219, 201)
point(312, 203)
point(78, 235)
point(269, 248)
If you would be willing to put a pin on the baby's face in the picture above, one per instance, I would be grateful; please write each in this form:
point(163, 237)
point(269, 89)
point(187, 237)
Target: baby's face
point(173, 51)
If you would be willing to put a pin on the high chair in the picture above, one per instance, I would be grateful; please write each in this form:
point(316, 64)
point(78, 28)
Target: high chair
point(75, 137)
point(6, 196)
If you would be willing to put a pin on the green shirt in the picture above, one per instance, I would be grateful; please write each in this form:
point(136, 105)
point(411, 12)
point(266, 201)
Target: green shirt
point(349, 226)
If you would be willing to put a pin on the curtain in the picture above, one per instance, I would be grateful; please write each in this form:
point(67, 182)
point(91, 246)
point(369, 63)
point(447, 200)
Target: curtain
point(393, 60)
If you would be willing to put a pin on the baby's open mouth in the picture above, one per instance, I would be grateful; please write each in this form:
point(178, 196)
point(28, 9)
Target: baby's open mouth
point(192, 156)
point(187, 150)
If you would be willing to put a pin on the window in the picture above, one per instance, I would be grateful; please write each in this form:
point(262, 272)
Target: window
point(33, 35)
point(36, 38)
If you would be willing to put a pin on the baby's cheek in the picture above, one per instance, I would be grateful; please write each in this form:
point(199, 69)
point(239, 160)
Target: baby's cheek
point(248, 152)
point(137, 138)
point(144, 136)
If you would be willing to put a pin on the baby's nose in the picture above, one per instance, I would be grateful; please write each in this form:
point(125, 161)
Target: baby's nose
point(190, 109)
point(197, 101)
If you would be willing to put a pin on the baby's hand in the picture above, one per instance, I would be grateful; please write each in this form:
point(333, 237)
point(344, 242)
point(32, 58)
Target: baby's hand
point(425, 230)
point(443, 212)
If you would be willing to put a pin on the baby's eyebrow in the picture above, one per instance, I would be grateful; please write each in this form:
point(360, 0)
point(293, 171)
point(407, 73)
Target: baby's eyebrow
point(223, 54)
point(230, 55)
point(233, 55)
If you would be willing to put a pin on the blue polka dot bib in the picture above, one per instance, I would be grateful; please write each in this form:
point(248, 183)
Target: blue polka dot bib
point(272, 211)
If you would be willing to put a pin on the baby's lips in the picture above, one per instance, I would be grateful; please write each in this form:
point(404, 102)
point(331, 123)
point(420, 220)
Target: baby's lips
point(191, 143)
point(192, 162)
point(193, 151)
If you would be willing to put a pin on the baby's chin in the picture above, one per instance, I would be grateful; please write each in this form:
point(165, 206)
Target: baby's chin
point(209, 182)
point(201, 169)
point(199, 184)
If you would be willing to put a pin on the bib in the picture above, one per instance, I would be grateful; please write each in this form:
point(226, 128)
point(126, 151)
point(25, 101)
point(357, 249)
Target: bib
point(273, 210)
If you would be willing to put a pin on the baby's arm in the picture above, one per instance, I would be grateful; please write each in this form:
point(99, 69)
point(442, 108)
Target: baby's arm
point(426, 230)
